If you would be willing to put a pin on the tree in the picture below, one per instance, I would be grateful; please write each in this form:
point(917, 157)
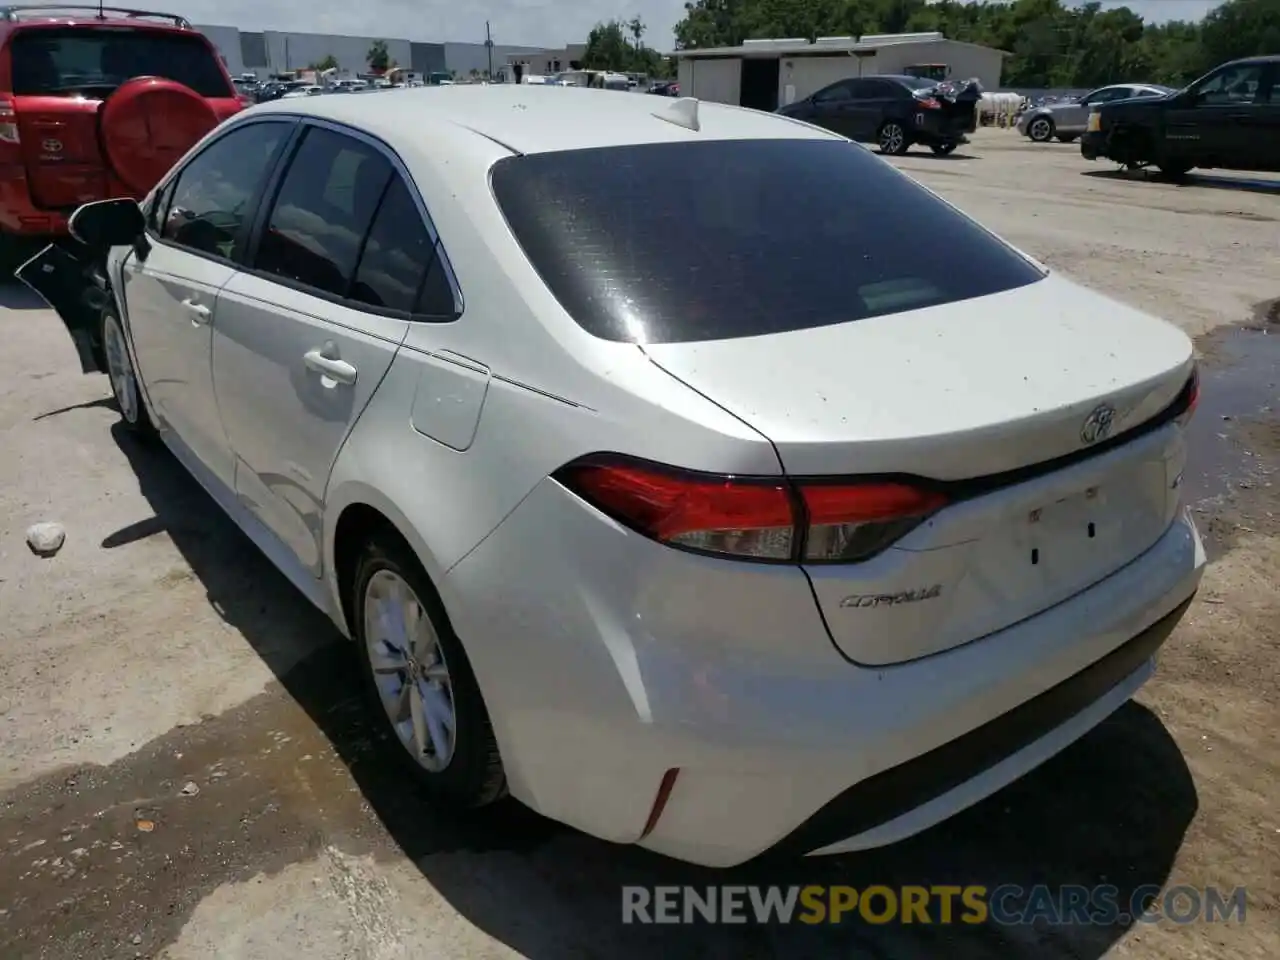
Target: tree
point(378, 57)
point(636, 27)
point(609, 49)
point(330, 62)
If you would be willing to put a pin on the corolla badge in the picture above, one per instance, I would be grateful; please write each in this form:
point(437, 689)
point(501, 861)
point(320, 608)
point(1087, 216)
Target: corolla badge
point(51, 146)
point(861, 601)
point(1097, 425)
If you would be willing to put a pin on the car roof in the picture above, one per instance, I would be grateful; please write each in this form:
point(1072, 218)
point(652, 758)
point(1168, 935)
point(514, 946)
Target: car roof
point(17, 16)
point(532, 118)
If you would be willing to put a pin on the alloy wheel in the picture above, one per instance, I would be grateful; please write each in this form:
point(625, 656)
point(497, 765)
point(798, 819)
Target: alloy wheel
point(892, 138)
point(409, 670)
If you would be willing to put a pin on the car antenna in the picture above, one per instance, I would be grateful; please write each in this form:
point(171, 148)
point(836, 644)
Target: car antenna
point(102, 14)
point(682, 112)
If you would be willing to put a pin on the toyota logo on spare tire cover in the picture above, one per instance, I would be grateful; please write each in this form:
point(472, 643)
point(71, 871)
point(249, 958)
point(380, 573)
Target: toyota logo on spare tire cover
point(147, 124)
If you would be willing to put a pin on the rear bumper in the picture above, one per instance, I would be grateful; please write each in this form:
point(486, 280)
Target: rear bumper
point(935, 127)
point(607, 660)
point(18, 215)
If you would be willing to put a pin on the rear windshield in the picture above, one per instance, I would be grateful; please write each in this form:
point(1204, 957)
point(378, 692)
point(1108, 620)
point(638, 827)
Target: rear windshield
point(671, 242)
point(97, 60)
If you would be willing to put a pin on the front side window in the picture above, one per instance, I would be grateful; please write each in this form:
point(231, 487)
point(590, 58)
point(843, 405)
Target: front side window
point(1238, 84)
point(324, 208)
point(93, 60)
point(710, 240)
point(212, 195)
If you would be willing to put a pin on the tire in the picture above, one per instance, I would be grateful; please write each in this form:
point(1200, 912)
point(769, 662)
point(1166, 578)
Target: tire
point(1040, 130)
point(120, 373)
point(1174, 169)
point(892, 139)
point(389, 579)
point(943, 149)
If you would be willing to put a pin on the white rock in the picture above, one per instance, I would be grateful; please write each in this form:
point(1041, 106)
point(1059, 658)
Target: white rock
point(46, 539)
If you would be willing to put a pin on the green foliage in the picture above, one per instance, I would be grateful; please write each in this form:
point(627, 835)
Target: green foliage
point(378, 57)
point(1053, 44)
point(619, 47)
point(328, 63)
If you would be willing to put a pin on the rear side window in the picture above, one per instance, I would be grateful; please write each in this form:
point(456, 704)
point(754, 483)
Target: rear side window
point(325, 207)
point(674, 242)
point(398, 255)
point(95, 61)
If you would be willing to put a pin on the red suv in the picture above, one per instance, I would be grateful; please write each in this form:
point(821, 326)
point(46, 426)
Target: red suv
point(96, 102)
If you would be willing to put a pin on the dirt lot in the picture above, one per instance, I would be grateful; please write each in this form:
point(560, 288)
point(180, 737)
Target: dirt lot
point(184, 770)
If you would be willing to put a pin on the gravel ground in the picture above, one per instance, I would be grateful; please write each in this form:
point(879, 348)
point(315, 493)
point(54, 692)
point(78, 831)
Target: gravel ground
point(185, 772)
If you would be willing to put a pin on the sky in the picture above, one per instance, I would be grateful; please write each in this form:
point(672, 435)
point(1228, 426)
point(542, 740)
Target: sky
point(549, 23)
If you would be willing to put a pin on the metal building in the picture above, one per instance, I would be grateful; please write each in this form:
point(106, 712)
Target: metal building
point(766, 74)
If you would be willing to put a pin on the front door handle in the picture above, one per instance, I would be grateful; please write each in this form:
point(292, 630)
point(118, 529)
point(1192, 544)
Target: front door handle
point(198, 312)
point(329, 366)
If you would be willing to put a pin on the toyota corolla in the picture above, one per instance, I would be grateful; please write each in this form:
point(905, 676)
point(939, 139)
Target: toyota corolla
point(687, 472)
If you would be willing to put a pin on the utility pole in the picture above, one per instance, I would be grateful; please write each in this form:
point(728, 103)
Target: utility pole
point(488, 43)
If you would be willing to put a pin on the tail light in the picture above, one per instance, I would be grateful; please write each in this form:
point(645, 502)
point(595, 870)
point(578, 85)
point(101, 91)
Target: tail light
point(929, 103)
point(772, 519)
point(1192, 394)
point(8, 123)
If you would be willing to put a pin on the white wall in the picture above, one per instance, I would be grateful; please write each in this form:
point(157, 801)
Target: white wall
point(227, 40)
point(806, 75)
point(296, 51)
point(964, 61)
point(717, 81)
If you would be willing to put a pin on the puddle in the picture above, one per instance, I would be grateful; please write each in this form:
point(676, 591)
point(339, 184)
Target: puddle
point(1234, 439)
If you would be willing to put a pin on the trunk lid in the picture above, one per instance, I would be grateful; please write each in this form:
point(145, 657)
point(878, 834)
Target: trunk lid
point(959, 99)
point(968, 390)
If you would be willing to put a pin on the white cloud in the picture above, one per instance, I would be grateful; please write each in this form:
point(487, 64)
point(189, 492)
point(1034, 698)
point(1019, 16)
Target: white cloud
point(550, 23)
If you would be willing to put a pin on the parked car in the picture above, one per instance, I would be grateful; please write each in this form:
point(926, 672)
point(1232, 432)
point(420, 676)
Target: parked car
point(805, 538)
point(95, 103)
point(1228, 118)
point(895, 112)
point(1066, 120)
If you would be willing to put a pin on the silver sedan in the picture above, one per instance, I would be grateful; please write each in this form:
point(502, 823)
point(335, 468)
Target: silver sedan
point(1066, 120)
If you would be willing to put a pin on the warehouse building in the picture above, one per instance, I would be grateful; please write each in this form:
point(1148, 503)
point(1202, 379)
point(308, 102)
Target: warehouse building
point(766, 74)
point(270, 51)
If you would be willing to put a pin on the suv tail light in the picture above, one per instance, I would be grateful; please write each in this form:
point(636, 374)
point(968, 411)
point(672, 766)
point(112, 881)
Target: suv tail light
point(772, 519)
point(8, 122)
point(929, 103)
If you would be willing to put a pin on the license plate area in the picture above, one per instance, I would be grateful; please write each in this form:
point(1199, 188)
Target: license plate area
point(1063, 529)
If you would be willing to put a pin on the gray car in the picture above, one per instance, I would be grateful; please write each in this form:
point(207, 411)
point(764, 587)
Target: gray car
point(1066, 120)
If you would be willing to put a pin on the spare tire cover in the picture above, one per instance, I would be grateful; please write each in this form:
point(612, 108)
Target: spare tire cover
point(147, 124)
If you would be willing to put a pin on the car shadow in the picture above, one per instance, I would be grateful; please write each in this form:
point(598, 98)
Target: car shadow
point(1112, 809)
point(15, 295)
point(918, 154)
point(1208, 181)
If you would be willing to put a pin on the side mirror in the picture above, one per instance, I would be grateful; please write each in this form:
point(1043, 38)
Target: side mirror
point(108, 223)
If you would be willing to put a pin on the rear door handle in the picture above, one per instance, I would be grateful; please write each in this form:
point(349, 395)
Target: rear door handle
point(331, 367)
point(198, 312)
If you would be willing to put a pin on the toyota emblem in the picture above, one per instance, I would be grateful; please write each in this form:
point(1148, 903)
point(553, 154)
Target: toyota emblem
point(1097, 425)
point(51, 146)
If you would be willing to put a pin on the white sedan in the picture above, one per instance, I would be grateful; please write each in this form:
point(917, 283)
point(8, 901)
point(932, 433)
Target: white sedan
point(686, 471)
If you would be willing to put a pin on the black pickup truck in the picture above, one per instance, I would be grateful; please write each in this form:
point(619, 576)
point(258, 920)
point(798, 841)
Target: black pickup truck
point(1228, 118)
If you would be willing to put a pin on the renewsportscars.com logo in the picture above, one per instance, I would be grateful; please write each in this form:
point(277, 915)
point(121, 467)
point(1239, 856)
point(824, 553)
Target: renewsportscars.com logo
point(1006, 905)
